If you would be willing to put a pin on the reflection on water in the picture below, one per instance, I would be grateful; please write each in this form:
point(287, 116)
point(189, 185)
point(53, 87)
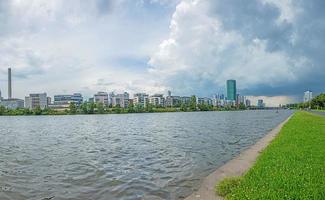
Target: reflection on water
point(133, 156)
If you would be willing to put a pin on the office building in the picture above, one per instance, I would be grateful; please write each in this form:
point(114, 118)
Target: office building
point(140, 99)
point(231, 90)
point(308, 96)
point(76, 98)
point(101, 97)
point(0, 96)
point(36, 100)
point(12, 103)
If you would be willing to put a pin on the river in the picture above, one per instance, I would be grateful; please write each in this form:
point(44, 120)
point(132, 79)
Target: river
point(125, 156)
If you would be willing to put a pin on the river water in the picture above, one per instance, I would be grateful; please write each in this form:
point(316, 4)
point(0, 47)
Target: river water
point(126, 156)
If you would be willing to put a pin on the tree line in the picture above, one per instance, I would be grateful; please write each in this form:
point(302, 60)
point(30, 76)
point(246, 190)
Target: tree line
point(317, 103)
point(100, 108)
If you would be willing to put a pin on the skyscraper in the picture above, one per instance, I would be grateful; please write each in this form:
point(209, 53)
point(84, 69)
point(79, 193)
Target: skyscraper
point(231, 90)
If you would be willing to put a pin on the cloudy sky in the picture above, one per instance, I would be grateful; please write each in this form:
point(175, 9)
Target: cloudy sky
point(273, 48)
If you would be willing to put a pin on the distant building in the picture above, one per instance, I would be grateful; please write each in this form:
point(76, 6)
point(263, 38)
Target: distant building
point(231, 90)
point(49, 100)
point(62, 102)
point(121, 100)
point(199, 100)
point(308, 96)
point(101, 97)
point(67, 99)
point(140, 99)
point(247, 102)
point(12, 103)
point(171, 101)
point(186, 100)
point(260, 103)
point(218, 100)
point(157, 100)
point(36, 100)
point(0, 96)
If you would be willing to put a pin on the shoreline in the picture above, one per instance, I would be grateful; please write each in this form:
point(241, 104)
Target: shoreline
point(124, 113)
point(234, 167)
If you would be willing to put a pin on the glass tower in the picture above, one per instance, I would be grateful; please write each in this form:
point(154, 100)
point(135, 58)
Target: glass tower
point(231, 90)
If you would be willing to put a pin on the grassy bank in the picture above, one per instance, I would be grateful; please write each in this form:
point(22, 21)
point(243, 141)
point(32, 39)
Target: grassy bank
point(291, 167)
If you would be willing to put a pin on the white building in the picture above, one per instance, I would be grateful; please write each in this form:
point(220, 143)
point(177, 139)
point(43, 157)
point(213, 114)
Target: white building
point(157, 100)
point(36, 100)
point(121, 100)
point(140, 99)
point(308, 96)
point(101, 97)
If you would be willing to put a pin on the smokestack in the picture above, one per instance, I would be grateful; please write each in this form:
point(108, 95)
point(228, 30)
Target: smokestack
point(9, 84)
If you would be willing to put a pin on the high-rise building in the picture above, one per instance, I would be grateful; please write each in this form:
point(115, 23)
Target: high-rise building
point(231, 90)
point(0, 96)
point(308, 96)
point(157, 100)
point(140, 99)
point(9, 84)
point(121, 100)
point(36, 100)
point(101, 97)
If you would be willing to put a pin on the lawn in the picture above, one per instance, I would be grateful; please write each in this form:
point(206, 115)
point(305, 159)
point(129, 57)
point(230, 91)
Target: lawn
point(291, 167)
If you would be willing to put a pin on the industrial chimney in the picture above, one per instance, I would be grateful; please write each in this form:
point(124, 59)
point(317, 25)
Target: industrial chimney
point(9, 84)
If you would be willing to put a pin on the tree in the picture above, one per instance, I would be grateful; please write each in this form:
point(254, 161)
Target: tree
point(183, 107)
point(91, 107)
point(72, 108)
point(193, 103)
point(149, 107)
point(318, 102)
point(117, 109)
point(2, 110)
point(100, 108)
point(37, 110)
point(242, 106)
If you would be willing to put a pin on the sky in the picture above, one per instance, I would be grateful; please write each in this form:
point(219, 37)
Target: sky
point(275, 49)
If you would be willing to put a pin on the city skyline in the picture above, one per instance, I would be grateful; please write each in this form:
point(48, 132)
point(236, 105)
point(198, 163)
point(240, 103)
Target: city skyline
point(230, 93)
point(186, 46)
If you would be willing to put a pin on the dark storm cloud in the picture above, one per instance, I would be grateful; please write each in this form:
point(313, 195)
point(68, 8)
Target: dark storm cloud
point(304, 36)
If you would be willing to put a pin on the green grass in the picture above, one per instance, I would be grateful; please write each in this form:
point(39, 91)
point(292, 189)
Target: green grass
point(227, 186)
point(291, 167)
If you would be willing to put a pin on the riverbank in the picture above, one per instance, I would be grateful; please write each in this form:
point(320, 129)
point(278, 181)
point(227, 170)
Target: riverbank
point(291, 167)
point(235, 167)
point(27, 112)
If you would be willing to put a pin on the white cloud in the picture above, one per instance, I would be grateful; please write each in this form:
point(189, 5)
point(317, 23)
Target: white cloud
point(288, 11)
point(200, 55)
